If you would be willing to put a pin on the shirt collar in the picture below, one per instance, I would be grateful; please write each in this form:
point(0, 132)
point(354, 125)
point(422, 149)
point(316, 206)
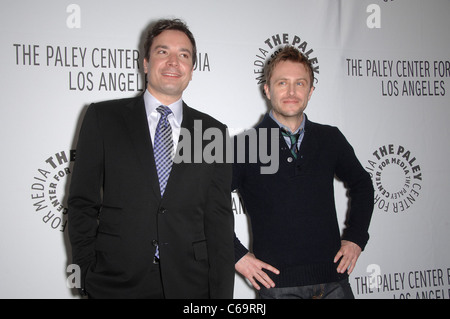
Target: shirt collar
point(299, 130)
point(151, 103)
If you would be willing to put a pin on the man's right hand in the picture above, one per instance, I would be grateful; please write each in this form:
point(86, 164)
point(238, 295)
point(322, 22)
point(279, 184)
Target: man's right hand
point(252, 269)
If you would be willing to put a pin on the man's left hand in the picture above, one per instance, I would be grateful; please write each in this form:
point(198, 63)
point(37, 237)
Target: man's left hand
point(349, 252)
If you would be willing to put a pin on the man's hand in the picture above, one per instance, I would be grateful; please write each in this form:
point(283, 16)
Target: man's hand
point(252, 269)
point(350, 253)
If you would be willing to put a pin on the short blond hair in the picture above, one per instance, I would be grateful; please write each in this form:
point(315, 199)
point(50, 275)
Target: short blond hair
point(289, 53)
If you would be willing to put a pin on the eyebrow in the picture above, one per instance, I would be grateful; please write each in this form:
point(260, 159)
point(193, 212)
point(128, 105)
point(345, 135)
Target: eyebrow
point(285, 78)
point(161, 46)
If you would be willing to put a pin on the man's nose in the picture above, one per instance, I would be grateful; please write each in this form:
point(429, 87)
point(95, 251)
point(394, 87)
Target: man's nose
point(291, 89)
point(173, 60)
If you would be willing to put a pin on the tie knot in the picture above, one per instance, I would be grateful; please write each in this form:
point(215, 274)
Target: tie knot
point(164, 110)
point(293, 137)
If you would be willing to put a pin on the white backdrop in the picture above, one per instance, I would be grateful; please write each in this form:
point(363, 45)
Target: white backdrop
point(383, 78)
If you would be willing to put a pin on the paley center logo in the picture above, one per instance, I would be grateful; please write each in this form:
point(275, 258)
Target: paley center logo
point(396, 177)
point(272, 46)
point(48, 189)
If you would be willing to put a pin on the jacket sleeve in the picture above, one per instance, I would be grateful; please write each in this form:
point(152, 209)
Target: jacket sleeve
point(84, 199)
point(360, 189)
point(239, 249)
point(219, 222)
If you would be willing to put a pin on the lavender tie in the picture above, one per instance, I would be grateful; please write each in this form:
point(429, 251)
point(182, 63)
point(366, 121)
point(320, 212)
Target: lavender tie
point(163, 147)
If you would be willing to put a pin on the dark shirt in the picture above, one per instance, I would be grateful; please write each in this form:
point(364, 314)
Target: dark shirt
point(292, 212)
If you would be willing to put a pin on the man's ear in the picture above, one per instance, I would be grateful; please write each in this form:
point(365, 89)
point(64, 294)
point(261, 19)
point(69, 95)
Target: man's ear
point(267, 90)
point(145, 66)
point(311, 92)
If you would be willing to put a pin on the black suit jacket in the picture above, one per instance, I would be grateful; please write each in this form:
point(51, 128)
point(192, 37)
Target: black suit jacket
point(116, 212)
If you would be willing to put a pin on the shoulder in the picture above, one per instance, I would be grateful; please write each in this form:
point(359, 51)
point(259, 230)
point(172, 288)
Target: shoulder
point(114, 105)
point(319, 126)
point(116, 109)
point(325, 135)
point(320, 129)
point(207, 120)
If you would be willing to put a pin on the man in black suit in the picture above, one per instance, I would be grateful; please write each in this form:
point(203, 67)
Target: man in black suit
point(131, 238)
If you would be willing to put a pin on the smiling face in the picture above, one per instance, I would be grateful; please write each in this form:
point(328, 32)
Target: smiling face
point(289, 91)
point(169, 67)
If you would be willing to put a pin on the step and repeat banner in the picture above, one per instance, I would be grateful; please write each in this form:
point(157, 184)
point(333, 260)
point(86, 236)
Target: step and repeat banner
point(383, 77)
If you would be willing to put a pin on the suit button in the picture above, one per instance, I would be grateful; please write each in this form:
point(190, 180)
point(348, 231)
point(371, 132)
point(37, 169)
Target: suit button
point(290, 159)
point(162, 210)
point(154, 243)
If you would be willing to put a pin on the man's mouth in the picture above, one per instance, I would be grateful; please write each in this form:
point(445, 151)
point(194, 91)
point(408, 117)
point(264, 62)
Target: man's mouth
point(291, 101)
point(171, 74)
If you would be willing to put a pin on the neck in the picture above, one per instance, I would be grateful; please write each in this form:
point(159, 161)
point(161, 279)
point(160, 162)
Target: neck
point(163, 98)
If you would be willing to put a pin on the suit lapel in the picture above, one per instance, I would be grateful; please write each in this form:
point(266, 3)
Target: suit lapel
point(137, 124)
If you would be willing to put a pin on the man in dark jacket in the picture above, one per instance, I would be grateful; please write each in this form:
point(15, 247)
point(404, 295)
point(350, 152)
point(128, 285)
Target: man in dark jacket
point(134, 233)
point(297, 246)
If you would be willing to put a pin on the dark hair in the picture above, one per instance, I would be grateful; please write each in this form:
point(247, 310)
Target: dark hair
point(289, 53)
point(169, 24)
